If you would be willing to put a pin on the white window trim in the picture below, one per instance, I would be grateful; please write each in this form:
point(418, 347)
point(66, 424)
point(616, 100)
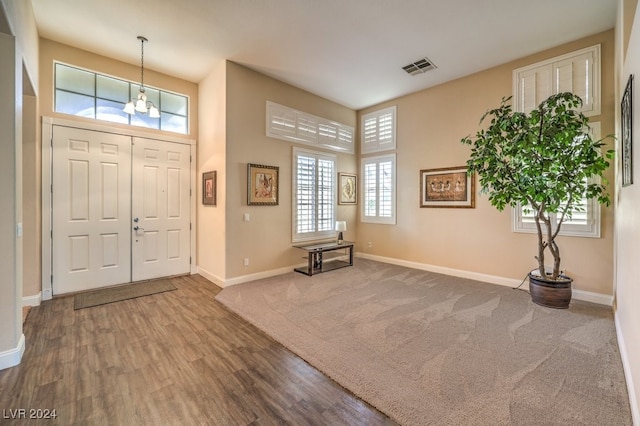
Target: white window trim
point(589, 230)
point(377, 219)
point(318, 235)
point(375, 143)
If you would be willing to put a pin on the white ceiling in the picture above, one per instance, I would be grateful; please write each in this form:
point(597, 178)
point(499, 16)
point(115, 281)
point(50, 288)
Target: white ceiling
point(348, 51)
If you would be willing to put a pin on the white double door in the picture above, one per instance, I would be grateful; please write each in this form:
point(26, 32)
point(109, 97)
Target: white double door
point(120, 209)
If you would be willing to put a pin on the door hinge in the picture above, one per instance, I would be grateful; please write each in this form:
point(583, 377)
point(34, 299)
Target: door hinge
point(51, 279)
point(189, 260)
point(52, 188)
point(189, 226)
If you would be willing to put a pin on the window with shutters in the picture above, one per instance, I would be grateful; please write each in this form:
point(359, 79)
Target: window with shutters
point(584, 220)
point(378, 130)
point(314, 195)
point(379, 189)
point(296, 126)
point(577, 72)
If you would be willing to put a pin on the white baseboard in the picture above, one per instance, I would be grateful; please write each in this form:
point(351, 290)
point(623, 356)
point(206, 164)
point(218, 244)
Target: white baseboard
point(211, 277)
point(259, 275)
point(32, 300)
point(626, 367)
point(12, 357)
point(221, 282)
point(587, 296)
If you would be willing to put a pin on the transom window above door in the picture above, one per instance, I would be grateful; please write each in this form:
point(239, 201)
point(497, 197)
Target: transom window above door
point(88, 94)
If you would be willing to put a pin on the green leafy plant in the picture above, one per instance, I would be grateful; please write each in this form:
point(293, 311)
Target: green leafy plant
point(545, 161)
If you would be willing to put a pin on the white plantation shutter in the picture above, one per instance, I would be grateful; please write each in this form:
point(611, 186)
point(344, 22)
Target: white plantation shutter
point(370, 184)
point(583, 223)
point(314, 194)
point(379, 130)
point(327, 132)
point(577, 72)
point(292, 125)
point(307, 129)
point(281, 121)
point(379, 194)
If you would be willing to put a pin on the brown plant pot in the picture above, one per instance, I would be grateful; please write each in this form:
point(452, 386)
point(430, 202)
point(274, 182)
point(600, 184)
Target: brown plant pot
point(550, 293)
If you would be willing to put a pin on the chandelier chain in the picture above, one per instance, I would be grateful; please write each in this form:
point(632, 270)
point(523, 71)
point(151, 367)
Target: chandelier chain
point(142, 63)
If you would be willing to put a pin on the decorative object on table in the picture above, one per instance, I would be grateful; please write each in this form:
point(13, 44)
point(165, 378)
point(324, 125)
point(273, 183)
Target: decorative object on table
point(547, 162)
point(348, 187)
point(626, 109)
point(447, 187)
point(262, 185)
point(341, 226)
point(141, 104)
point(209, 188)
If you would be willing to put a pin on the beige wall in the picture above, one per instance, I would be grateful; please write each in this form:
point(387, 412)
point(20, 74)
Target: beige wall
point(51, 51)
point(31, 199)
point(19, 53)
point(212, 153)
point(627, 227)
point(266, 238)
point(430, 125)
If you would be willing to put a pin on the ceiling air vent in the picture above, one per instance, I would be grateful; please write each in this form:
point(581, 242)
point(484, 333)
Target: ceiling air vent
point(419, 67)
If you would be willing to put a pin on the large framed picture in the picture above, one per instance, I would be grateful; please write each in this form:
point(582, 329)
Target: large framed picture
point(626, 108)
point(447, 187)
point(262, 185)
point(348, 188)
point(209, 189)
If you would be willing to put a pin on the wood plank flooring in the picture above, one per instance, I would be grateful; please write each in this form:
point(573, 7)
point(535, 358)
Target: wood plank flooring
point(173, 358)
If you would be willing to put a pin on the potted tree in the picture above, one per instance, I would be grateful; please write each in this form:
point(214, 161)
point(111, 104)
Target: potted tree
point(547, 162)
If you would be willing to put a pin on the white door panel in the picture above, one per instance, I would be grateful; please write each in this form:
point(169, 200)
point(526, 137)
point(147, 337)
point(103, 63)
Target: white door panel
point(160, 209)
point(90, 210)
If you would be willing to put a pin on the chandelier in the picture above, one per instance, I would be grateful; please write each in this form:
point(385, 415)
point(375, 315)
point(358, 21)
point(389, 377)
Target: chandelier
point(140, 103)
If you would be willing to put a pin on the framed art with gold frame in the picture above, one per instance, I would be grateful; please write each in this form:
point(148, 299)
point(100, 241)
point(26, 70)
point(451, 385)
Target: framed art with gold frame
point(209, 190)
point(447, 187)
point(348, 188)
point(262, 185)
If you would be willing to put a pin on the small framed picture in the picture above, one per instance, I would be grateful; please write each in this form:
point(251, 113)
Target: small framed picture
point(626, 109)
point(209, 190)
point(448, 187)
point(262, 185)
point(348, 188)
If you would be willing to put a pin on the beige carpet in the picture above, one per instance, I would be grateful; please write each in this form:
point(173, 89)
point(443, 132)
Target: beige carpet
point(430, 349)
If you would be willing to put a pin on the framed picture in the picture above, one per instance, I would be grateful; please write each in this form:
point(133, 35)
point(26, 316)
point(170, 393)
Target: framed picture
point(209, 188)
point(448, 187)
point(262, 185)
point(348, 188)
point(626, 108)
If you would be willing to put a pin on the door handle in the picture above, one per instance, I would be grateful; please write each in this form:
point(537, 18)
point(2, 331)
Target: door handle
point(137, 228)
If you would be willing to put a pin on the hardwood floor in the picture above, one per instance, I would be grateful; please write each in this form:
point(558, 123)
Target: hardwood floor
point(172, 358)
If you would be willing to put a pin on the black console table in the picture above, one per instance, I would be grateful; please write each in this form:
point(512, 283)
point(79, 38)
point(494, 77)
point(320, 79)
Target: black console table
point(316, 263)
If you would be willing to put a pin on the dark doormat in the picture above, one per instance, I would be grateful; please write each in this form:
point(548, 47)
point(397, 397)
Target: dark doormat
point(119, 293)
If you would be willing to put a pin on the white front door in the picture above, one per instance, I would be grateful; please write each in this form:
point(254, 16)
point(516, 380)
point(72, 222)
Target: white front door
point(91, 209)
point(120, 209)
point(160, 209)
